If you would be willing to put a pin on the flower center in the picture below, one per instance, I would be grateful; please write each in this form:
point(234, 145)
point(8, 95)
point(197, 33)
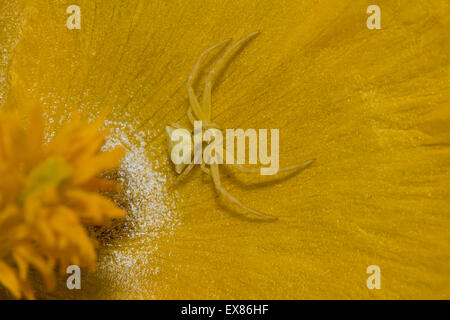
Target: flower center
point(51, 173)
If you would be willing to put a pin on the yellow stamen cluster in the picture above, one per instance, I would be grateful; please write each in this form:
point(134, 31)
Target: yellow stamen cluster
point(49, 192)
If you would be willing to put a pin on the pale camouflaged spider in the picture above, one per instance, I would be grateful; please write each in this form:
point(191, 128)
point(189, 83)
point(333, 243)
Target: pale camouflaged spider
point(201, 111)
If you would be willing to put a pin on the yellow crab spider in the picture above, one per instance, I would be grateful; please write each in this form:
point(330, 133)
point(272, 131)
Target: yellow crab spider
point(201, 111)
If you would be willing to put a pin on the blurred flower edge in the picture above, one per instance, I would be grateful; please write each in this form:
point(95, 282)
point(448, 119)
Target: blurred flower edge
point(51, 189)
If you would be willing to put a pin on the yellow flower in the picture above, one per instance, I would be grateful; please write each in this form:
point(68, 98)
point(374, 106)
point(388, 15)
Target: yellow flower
point(48, 193)
point(372, 106)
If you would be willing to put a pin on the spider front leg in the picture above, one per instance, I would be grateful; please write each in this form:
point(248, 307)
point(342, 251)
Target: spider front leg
point(214, 170)
point(176, 125)
point(207, 124)
point(196, 108)
point(206, 102)
point(191, 116)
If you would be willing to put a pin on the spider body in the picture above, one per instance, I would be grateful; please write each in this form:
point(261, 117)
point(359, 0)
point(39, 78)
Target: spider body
point(201, 111)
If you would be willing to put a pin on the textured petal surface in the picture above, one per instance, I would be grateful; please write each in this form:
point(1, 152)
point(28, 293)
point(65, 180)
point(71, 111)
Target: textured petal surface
point(372, 106)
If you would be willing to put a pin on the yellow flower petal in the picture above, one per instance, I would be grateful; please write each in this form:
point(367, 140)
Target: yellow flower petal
point(370, 105)
point(9, 279)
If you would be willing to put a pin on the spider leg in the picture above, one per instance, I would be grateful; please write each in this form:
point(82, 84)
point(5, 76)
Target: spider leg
point(205, 170)
point(213, 125)
point(181, 176)
point(216, 178)
point(185, 172)
point(208, 125)
point(176, 125)
point(293, 167)
point(206, 103)
point(297, 166)
point(192, 97)
point(190, 116)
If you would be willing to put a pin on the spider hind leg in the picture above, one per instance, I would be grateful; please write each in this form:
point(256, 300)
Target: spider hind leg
point(214, 171)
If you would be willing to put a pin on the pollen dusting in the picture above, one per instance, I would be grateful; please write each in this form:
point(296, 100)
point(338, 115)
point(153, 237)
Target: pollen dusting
point(151, 214)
